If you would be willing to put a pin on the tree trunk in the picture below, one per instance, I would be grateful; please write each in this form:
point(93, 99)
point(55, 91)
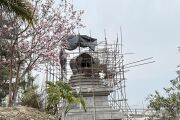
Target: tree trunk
point(63, 115)
point(10, 102)
point(16, 86)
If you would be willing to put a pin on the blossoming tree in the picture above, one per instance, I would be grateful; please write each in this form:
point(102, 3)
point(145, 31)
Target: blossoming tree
point(32, 47)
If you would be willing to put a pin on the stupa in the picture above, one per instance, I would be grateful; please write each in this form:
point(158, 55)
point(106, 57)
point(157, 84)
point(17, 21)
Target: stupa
point(87, 82)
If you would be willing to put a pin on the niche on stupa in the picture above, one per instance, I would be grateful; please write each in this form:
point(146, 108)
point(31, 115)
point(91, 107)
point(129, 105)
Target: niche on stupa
point(84, 64)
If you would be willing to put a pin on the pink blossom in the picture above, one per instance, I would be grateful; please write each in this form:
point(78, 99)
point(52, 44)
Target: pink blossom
point(4, 26)
point(41, 44)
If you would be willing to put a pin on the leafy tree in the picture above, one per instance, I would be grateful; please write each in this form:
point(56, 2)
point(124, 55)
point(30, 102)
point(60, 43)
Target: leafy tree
point(21, 8)
point(4, 71)
point(4, 86)
point(62, 91)
point(168, 106)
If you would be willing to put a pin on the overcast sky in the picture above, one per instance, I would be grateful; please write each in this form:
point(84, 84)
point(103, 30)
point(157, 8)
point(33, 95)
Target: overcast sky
point(151, 28)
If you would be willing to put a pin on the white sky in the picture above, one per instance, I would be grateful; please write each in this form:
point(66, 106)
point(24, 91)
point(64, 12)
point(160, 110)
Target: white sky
point(150, 29)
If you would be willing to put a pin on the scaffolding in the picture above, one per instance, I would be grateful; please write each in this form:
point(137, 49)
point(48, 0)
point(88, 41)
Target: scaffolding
point(110, 68)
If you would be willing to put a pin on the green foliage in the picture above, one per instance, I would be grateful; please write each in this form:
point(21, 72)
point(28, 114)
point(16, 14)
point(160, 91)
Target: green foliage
point(4, 86)
point(31, 98)
point(61, 90)
point(21, 8)
point(169, 103)
point(30, 95)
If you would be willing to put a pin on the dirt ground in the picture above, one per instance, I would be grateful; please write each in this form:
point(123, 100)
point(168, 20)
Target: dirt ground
point(23, 113)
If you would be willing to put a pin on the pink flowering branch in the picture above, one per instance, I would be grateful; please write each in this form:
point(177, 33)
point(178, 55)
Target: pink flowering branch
point(35, 46)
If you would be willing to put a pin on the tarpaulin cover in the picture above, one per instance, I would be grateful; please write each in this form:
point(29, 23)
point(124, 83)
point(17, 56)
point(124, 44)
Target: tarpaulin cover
point(74, 41)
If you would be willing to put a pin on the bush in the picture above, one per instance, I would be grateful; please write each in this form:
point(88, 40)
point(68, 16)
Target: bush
point(31, 98)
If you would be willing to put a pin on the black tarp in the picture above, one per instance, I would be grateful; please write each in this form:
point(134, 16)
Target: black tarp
point(73, 41)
